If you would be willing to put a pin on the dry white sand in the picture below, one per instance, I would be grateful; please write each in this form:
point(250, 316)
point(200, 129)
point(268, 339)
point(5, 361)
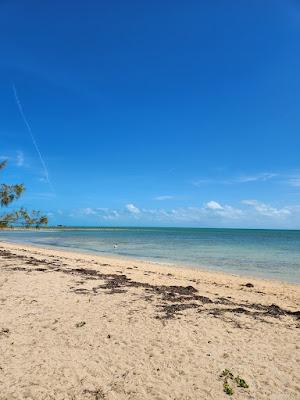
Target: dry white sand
point(78, 326)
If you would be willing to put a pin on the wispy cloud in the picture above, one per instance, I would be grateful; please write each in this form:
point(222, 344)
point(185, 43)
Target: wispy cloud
point(20, 161)
point(101, 213)
point(164, 197)
point(204, 181)
point(259, 177)
point(295, 181)
point(263, 176)
point(267, 210)
point(291, 178)
point(89, 211)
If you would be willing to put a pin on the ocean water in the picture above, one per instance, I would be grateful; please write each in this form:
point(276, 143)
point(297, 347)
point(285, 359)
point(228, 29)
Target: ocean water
point(262, 253)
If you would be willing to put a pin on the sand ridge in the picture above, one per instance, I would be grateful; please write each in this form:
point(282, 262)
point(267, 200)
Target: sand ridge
point(79, 326)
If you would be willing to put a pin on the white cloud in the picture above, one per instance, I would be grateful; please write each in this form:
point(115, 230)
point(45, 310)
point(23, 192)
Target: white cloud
point(204, 181)
point(89, 211)
point(97, 213)
point(132, 209)
point(262, 176)
point(20, 159)
point(251, 213)
point(213, 205)
point(295, 182)
point(215, 209)
point(267, 210)
point(113, 215)
point(162, 198)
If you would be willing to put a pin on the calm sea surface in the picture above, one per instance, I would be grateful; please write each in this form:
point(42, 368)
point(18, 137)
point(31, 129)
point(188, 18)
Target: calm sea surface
point(265, 253)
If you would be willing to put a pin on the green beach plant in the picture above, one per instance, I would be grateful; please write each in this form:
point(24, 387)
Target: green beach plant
point(10, 193)
point(240, 382)
point(227, 388)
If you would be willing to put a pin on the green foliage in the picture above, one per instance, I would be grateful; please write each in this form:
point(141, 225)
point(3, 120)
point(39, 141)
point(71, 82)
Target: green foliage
point(7, 219)
point(241, 382)
point(33, 219)
point(3, 164)
point(227, 389)
point(10, 193)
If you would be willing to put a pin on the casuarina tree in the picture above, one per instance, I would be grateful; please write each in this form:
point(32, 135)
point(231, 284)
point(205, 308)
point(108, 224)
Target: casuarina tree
point(10, 193)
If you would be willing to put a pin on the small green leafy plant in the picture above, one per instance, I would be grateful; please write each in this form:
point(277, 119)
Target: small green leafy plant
point(227, 388)
point(241, 382)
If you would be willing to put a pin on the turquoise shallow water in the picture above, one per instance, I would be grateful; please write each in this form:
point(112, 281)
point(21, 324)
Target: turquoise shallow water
point(263, 253)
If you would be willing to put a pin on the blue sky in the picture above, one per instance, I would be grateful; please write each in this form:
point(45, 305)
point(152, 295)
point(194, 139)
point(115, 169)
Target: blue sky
point(153, 113)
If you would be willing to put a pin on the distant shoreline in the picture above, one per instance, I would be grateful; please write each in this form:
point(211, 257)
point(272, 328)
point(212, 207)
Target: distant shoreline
point(59, 228)
point(121, 228)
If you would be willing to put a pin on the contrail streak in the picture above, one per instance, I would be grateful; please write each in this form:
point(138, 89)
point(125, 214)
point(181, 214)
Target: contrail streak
point(20, 107)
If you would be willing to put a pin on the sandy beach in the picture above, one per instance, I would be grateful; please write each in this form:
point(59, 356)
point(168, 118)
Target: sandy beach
point(80, 326)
